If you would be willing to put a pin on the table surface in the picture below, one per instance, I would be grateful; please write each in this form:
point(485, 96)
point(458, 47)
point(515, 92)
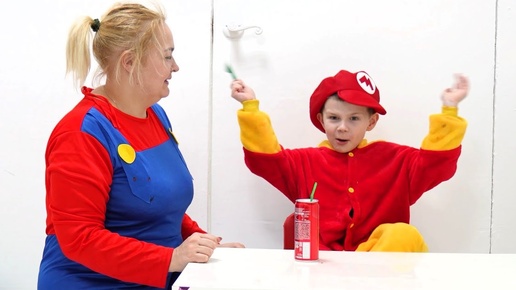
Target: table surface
point(274, 269)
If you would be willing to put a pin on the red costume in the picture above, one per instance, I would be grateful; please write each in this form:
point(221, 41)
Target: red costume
point(373, 184)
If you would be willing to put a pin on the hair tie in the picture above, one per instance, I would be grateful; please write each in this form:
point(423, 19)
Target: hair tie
point(95, 25)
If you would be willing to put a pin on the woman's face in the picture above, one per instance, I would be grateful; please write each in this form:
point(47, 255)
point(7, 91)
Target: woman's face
point(158, 67)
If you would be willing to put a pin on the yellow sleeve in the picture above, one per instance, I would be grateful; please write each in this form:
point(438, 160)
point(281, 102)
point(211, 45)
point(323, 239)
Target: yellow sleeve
point(446, 130)
point(256, 132)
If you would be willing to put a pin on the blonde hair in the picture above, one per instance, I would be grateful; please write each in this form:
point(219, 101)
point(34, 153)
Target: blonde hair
point(124, 27)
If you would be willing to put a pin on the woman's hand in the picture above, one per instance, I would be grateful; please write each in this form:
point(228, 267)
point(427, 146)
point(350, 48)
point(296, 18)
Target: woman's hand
point(232, 245)
point(197, 248)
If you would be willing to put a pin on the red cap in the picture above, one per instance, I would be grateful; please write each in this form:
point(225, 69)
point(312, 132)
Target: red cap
point(355, 88)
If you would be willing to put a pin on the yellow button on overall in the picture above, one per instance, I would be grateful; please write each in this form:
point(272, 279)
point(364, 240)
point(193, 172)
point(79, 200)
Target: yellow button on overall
point(127, 153)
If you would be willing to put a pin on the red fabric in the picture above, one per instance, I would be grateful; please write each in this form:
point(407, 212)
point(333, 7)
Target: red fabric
point(189, 227)
point(355, 88)
point(288, 232)
point(378, 182)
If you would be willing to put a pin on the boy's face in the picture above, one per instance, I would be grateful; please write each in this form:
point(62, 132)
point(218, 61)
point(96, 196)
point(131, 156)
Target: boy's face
point(345, 124)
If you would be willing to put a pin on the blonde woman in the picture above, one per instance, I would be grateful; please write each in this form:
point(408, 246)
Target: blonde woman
point(117, 185)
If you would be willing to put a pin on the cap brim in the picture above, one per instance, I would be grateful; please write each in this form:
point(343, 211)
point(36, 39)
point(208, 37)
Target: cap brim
point(361, 99)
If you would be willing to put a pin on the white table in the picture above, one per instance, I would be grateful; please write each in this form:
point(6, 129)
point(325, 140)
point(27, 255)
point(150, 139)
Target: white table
point(267, 269)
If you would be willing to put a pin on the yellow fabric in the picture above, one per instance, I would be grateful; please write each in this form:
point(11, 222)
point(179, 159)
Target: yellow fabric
point(446, 130)
point(396, 237)
point(252, 123)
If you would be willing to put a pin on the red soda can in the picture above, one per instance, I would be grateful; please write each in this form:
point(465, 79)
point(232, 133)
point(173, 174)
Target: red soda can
point(306, 229)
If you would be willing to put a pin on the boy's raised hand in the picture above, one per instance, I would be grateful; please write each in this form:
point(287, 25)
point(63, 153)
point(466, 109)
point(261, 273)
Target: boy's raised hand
point(451, 97)
point(241, 92)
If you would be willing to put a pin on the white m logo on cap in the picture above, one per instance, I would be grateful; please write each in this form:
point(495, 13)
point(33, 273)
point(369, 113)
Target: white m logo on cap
point(366, 82)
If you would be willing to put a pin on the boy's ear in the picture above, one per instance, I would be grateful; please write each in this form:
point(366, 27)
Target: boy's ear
point(126, 60)
point(372, 121)
point(320, 119)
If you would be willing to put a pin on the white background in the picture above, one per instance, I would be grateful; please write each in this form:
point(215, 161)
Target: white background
point(410, 48)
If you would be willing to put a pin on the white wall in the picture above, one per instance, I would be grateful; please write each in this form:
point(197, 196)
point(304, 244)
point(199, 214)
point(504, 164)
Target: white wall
point(411, 48)
point(504, 153)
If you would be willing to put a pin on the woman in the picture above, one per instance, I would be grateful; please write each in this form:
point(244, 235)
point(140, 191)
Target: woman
point(117, 185)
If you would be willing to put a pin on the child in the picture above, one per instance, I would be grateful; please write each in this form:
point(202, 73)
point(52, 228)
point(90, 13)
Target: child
point(365, 189)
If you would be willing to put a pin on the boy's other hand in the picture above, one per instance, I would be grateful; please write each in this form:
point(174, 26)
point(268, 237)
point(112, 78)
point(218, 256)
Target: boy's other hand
point(241, 92)
point(451, 97)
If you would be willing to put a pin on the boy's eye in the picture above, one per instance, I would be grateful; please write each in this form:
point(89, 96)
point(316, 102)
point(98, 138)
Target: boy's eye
point(168, 57)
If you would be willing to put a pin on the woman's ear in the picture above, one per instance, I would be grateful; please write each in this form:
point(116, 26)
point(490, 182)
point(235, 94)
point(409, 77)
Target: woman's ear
point(126, 60)
point(372, 121)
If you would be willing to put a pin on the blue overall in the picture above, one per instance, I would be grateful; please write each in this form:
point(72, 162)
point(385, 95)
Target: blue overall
point(148, 199)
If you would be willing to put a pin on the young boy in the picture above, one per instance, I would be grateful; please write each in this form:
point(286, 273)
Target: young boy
point(365, 189)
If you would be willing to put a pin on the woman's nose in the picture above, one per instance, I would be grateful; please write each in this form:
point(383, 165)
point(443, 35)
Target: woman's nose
point(174, 67)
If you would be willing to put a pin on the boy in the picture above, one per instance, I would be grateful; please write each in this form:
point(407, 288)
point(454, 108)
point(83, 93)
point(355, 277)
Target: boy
point(365, 190)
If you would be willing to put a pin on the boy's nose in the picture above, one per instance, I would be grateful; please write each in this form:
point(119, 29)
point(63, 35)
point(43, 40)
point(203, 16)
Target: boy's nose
point(342, 127)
